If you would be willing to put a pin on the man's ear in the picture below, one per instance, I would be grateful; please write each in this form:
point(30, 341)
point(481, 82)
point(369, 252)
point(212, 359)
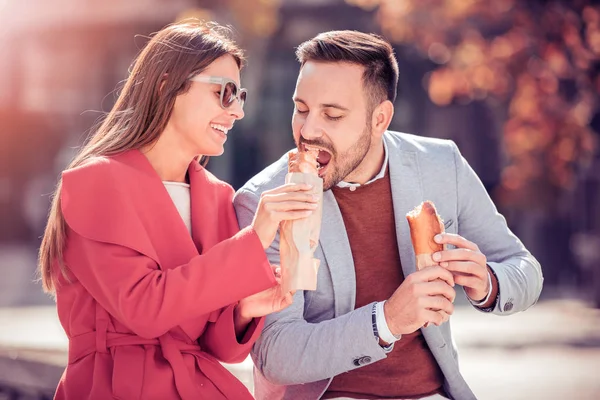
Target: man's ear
point(382, 117)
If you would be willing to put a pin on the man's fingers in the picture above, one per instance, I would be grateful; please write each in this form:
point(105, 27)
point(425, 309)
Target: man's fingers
point(432, 273)
point(456, 240)
point(437, 288)
point(460, 255)
point(437, 303)
point(445, 317)
point(434, 317)
point(470, 282)
point(466, 268)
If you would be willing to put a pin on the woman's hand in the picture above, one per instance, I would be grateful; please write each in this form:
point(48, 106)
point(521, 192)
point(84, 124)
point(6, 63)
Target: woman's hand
point(262, 303)
point(288, 202)
point(265, 302)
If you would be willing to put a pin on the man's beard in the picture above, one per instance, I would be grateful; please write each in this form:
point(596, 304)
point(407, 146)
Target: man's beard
point(348, 161)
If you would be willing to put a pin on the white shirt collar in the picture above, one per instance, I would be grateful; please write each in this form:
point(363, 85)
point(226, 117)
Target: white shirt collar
point(380, 175)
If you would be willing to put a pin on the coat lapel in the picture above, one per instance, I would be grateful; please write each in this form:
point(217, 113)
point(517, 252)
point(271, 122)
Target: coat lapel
point(407, 192)
point(213, 216)
point(160, 218)
point(336, 249)
point(198, 206)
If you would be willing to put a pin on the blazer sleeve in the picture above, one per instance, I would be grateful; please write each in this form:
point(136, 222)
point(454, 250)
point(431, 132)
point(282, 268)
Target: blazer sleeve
point(519, 274)
point(150, 301)
point(280, 353)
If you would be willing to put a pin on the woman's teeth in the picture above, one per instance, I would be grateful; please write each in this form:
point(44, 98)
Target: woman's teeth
point(219, 128)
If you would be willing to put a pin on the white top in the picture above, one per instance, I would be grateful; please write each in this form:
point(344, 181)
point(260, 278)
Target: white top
point(180, 194)
point(381, 174)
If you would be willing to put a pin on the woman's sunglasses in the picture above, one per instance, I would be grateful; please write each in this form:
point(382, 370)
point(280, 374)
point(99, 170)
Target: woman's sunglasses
point(229, 89)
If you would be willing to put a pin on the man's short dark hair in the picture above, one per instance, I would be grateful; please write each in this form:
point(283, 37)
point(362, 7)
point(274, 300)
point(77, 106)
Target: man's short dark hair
point(375, 54)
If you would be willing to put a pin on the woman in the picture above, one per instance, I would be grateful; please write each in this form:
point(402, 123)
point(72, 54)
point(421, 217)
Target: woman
point(154, 282)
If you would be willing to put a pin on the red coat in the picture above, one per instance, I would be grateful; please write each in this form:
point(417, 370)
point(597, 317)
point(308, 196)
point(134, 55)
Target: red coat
point(149, 309)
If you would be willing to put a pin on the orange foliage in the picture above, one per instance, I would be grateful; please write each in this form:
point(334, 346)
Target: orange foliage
point(537, 58)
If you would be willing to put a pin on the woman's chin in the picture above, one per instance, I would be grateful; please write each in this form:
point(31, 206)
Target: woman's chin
point(216, 152)
point(211, 151)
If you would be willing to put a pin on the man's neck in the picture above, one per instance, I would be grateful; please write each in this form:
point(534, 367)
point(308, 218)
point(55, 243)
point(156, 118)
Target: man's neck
point(370, 166)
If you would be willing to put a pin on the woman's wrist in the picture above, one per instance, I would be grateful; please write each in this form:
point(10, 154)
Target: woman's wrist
point(240, 320)
point(265, 244)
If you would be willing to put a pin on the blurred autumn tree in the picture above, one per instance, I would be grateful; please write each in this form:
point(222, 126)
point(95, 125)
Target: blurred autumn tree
point(256, 18)
point(538, 60)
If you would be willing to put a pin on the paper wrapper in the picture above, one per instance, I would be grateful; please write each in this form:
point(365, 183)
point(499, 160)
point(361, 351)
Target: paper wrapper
point(425, 260)
point(299, 239)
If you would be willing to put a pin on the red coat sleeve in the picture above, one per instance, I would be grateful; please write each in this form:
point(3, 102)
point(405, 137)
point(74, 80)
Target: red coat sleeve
point(220, 339)
point(150, 301)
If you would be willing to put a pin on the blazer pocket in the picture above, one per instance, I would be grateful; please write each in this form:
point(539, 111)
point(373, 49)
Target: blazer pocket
point(448, 224)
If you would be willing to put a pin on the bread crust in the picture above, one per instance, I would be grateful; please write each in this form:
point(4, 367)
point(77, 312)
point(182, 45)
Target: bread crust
point(425, 223)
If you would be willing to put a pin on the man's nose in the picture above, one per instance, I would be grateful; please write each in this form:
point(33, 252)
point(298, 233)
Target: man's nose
point(310, 130)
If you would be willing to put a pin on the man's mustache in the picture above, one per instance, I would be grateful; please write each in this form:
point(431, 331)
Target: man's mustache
point(317, 143)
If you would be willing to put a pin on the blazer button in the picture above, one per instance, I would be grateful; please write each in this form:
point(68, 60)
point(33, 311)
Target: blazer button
point(362, 361)
point(509, 305)
point(366, 360)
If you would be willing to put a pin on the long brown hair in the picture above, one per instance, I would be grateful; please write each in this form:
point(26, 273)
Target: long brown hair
point(158, 75)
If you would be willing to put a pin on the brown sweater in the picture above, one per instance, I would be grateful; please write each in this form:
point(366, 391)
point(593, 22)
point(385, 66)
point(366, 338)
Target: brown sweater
point(409, 371)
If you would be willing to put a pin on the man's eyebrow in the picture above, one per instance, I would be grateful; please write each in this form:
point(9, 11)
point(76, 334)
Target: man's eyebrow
point(325, 105)
point(298, 100)
point(334, 105)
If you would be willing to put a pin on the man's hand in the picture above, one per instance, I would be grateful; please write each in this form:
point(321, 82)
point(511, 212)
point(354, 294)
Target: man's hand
point(467, 264)
point(419, 299)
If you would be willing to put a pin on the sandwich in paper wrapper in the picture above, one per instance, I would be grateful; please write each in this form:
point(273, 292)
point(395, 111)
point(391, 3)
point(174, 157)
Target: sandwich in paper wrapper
point(299, 238)
point(425, 223)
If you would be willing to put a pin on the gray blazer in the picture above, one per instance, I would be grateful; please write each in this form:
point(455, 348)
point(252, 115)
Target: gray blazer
point(321, 334)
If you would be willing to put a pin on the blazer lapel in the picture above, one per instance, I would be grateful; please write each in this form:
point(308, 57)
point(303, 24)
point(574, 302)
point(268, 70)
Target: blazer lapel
point(336, 249)
point(407, 192)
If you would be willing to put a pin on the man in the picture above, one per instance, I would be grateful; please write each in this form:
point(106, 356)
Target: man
point(361, 334)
